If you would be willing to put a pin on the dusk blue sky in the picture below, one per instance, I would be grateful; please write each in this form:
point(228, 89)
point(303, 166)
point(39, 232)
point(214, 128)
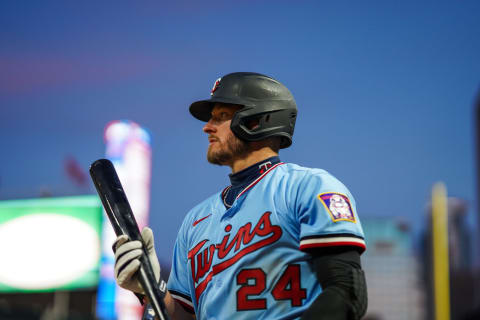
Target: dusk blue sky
point(385, 92)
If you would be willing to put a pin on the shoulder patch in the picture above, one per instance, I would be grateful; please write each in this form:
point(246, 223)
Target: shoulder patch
point(338, 206)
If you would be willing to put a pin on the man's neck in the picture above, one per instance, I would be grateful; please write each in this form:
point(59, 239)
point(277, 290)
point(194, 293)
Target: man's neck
point(253, 157)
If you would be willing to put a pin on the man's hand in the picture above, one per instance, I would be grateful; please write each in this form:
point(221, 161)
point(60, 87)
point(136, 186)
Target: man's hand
point(127, 261)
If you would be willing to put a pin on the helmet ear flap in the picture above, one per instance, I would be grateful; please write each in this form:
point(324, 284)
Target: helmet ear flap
point(253, 123)
point(249, 125)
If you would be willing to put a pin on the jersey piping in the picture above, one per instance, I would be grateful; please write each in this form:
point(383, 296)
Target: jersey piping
point(258, 179)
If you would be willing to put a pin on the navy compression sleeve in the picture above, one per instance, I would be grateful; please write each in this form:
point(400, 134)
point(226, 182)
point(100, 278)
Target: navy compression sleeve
point(344, 295)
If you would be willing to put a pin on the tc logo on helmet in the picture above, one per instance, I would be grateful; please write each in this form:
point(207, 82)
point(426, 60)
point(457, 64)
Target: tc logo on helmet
point(215, 86)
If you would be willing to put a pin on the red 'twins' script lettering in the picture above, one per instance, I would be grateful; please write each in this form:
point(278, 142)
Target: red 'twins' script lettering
point(201, 260)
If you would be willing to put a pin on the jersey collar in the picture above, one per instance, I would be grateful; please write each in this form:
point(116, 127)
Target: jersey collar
point(249, 174)
point(251, 185)
point(245, 179)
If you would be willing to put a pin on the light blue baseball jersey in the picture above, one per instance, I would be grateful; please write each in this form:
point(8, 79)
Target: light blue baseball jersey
point(250, 261)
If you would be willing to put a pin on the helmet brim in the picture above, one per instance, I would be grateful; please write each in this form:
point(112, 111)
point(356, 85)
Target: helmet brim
point(202, 110)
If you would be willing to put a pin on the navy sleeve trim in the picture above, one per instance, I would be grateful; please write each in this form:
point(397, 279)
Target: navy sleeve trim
point(184, 300)
point(332, 240)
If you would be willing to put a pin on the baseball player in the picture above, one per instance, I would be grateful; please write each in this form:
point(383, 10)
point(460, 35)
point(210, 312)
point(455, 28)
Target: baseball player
point(281, 242)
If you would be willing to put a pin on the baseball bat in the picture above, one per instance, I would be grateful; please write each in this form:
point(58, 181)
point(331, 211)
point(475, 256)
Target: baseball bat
point(123, 221)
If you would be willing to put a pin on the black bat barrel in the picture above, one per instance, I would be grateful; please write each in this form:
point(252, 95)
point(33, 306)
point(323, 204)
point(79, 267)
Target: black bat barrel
point(123, 221)
point(114, 199)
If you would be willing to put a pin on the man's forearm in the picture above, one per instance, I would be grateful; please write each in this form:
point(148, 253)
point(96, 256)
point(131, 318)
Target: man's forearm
point(344, 291)
point(330, 304)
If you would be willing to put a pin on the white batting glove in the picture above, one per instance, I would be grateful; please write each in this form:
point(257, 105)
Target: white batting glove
point(127, 263)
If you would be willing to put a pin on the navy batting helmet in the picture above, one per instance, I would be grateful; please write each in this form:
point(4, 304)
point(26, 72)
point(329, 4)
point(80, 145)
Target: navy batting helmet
point(263, 99)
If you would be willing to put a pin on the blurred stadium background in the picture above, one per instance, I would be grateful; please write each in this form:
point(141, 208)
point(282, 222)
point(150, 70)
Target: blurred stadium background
point(388, 102)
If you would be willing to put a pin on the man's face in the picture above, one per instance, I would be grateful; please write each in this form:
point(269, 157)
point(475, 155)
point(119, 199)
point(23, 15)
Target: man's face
point(224, 147)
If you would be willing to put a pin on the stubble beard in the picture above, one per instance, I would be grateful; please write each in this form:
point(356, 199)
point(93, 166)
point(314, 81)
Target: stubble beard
point(233, 148)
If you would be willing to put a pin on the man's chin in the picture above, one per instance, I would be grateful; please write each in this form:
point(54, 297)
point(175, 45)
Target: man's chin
point(225, 156)
point(216, 158)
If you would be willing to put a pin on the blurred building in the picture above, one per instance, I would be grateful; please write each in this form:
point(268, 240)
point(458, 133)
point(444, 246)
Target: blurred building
point(395, 291)
point(462, 278)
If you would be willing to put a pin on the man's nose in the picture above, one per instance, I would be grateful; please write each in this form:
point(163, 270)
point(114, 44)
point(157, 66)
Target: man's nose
point(209, 127)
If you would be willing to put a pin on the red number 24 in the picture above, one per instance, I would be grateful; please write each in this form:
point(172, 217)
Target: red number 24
point(253, 281)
